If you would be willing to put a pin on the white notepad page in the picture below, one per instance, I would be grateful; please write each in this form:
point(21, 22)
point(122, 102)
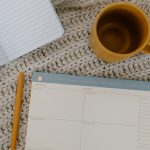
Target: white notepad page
point(73, 117)
point(26, 25)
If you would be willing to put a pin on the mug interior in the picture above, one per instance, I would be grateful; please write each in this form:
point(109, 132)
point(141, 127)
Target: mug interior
point(122, 29)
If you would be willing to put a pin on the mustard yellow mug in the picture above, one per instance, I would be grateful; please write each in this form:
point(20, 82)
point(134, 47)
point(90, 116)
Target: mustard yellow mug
point(120, 31)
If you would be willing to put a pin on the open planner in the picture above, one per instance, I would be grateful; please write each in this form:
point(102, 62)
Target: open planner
point(26, 25)
point(88, 113)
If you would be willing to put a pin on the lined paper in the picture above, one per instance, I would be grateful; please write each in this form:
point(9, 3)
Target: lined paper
point(27, 25)
point(3, 57)
point(72, 117)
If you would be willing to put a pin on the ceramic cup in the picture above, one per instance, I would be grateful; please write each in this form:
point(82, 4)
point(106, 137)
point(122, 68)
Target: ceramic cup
point(120, 31)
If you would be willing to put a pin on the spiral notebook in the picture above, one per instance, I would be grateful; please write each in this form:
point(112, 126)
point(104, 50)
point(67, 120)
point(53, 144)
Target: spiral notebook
point(88, 113)
point(26, 25)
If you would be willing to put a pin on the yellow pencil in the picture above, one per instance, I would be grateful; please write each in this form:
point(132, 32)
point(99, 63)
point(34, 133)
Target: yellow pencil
point(17, 108)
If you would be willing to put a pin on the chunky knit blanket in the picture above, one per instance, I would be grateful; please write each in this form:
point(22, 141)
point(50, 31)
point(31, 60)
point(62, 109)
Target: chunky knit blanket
point(71, 54)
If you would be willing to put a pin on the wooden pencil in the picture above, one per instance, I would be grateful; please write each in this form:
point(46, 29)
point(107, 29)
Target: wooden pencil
point(17, 109)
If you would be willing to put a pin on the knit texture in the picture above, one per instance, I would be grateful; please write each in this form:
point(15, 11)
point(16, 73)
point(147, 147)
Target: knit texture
point(71, 54)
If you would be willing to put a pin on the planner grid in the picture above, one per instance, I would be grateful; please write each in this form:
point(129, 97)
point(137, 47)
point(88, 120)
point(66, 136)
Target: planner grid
point(136, 123)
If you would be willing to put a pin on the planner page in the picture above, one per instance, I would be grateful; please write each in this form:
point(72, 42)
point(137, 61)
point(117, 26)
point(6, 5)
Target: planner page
point(85, 113)
point(27, 25)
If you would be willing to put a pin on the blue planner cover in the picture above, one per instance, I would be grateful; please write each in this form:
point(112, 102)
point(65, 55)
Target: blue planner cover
point(91, 81)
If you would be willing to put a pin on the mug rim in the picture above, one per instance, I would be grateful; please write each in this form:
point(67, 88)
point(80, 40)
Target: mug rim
point(141, 47)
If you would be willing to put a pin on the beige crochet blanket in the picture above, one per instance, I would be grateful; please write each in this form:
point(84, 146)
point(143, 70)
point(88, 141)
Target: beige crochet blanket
point(71, 54)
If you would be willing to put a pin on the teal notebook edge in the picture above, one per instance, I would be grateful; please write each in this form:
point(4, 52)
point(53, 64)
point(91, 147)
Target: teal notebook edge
point(91, 81)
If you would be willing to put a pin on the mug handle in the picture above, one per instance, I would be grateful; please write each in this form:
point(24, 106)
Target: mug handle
point(146, 49)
